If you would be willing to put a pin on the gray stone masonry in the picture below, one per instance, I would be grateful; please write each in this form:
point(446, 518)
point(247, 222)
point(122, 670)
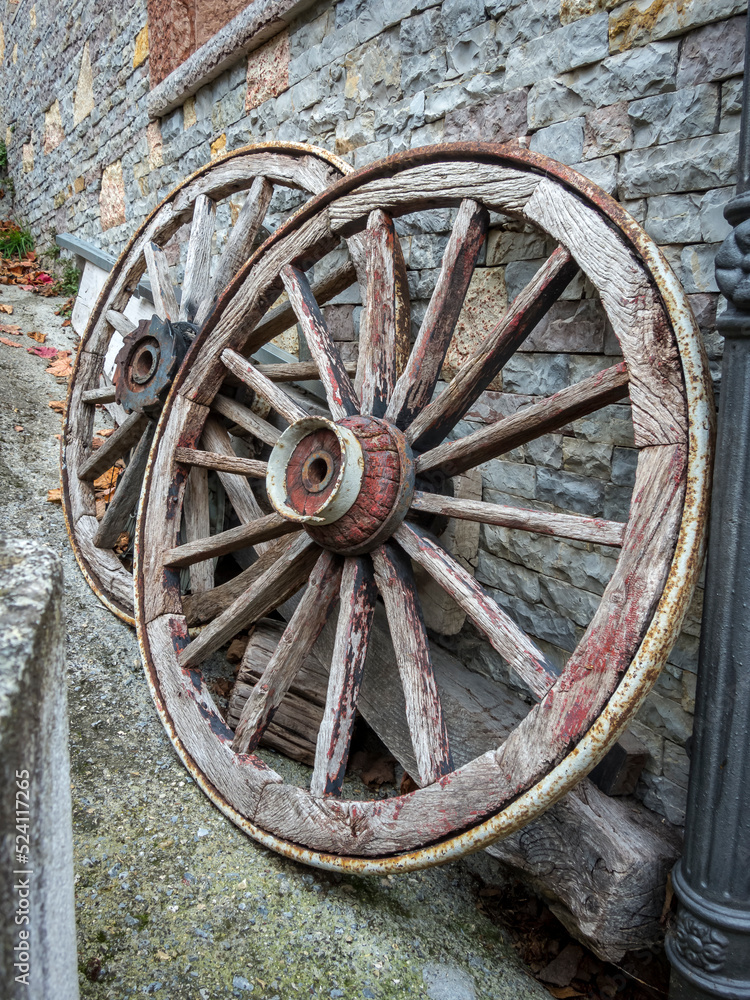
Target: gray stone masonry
point(646, 106)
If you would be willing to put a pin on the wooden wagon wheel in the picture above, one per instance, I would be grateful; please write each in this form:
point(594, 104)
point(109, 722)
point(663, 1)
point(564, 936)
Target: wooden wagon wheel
point(344, 489)
point(128, 367)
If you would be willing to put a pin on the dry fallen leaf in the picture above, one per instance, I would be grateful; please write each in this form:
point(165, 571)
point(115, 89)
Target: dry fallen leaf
point(562, 992)
point(54, 496)
point(237, 649)
point(61, 367)
point(10, 343)
point(14, 331)
point(37, 336)
point(43, 352)
point(121, 545)
point(58, 405)
point(18, 427)
point(8, 310)
point(106, 432)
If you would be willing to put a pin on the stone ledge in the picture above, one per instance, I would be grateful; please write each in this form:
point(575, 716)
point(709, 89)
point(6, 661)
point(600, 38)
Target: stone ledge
point(259, 21)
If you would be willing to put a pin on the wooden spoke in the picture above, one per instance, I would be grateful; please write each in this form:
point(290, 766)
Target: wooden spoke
point(296, 642)
point(545, 522)
point(165, 301)
point(342, 399)
point(239, 245)
point(276, 397)
point(356, 612)
point(198, 264)
point(440, 416)
point(222, 463)
point(298, 371)
point(528, 662)
point(424, 713)
point(276, 585)
point(104, 394)
point(215, 438)
point(117, 446)
point(125, 500)
point(245, 418)
point(282, 317)
point(197, 523)
point(417, 382)
point(211, 547)
point(385, 323)
point(555, 411)
point(121, 323)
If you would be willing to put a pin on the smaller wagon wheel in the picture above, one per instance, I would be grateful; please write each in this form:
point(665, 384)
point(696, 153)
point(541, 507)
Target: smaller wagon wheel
point(346, 499)
point(127, 368)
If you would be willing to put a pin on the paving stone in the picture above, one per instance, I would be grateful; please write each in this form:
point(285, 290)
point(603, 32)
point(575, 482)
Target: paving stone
point(689, 165)
point(570, 46)
point(714, 52)
point(563, 141)
point(643, 21)
point(674, 218)
point(607, 130)
point(665, 118)
point(498, 119)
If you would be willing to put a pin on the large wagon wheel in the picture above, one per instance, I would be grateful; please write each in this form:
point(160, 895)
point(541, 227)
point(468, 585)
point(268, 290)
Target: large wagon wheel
point(128, 367)
point(345, 489)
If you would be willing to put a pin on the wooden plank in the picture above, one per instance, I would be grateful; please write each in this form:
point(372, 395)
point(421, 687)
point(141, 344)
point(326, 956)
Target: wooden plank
point(197, 523)
point(295, 644)
point(299, 371)
point(212, 546)
point(522, 655)
point(276, 585)
point(440, 416)
point(657, 391)
point(103, 564)
point(592, 393)
point(340, 394)
point(245, 418)
point(223, 463)
point(385, 325)
point(104, 394)
point(121, 323)
point(239, 244)
point(356, 612)
point(165, 302)
point(275, 397)
point(417, 382)
point(412, 648)
point(195, 283)
point(117, 446)
point(123, 504)
point(584, 529)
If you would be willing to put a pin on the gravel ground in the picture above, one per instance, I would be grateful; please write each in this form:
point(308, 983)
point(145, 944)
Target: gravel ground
point(171, 898)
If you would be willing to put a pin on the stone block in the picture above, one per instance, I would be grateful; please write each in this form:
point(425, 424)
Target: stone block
point(267, 71)
point(714, 52)
point(172, 36)
point(212, 15)
point(551, 101)
point(689, 684)
point(624, 463)
point(461, 15)
point(676, 764)
point(587, 458)
point(607, 130)
point(140, 52)
point(562, 141)
point(626, 76)
point(546, 450)
point(602, 171)
point(422, 42)
point(54, 133)
point(189, 117)
point(573, 603)
point(688, 165)
point(512, 478)
point(112, 197)
point(373, 70)
point(472, 51)
point(731, 105)
point(536, 374)
point(84, 95)
point(644, 21)
point(486, 301)
point(339, 321)
point(714, 227)
point(674, 218)
point(497, 119)
point(428, 135)
point(539, 621)
point(617, 502)
point(504, 246)
point(569, 327)
point(572, 10)
point(570, 492)
point(508, 577)
point(697, 267)
point(577, 44)
point(666, 118)
point(664, 797)
point(666, 718)
point(351, 134)
point(518, 273)
point(427, 251)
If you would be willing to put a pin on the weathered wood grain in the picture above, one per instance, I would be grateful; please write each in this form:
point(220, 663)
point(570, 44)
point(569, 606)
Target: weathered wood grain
point(527, 661)
point(221, 463)
point(340, 394)
point(395, 582)
point(416, 383)
point(441, 415)
point(245, 418)
point(162, 290)
point(197, 524)
point(584, 529)
point(116, 446)
point(212, 546)
point(356, 611)
point(632, 305)
point(586, 396)
point(296, 642)
point(104, 394)
point(385, 324)
point(275, 397)
point(124, 502)
point(121, 323)
point(107, 569)
point(298, 371)
point(196, 281)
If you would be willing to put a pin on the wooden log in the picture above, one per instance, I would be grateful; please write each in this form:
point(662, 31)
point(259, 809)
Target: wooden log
point(104, 394)
point(356, 612)
point(195, 283)
point(275, 397)
point(116, 446)
point(124, 502)
point(340, 394)
point(586, 396)
point(545, 522)
point(121, 323)
point(212, 546)
point(162, 290)
point(221, 463)
point(510, 641)
point(417, 382)
point(440, 416)
point(385, 325)
point(296, 642)
point(412, 650)
point(244, 417)
point(197, 524)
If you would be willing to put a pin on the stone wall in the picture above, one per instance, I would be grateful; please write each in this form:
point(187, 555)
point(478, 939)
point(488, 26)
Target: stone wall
point(644, 99)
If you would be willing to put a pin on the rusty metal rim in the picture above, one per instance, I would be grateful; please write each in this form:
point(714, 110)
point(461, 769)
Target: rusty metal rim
point(672, 605)
point(126, 614)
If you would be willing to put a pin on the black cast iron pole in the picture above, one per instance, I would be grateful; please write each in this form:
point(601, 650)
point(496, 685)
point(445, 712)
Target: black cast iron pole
point(709, 946)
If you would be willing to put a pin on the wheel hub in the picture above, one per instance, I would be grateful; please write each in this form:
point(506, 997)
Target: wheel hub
point(148, 362)
point(349, 483)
